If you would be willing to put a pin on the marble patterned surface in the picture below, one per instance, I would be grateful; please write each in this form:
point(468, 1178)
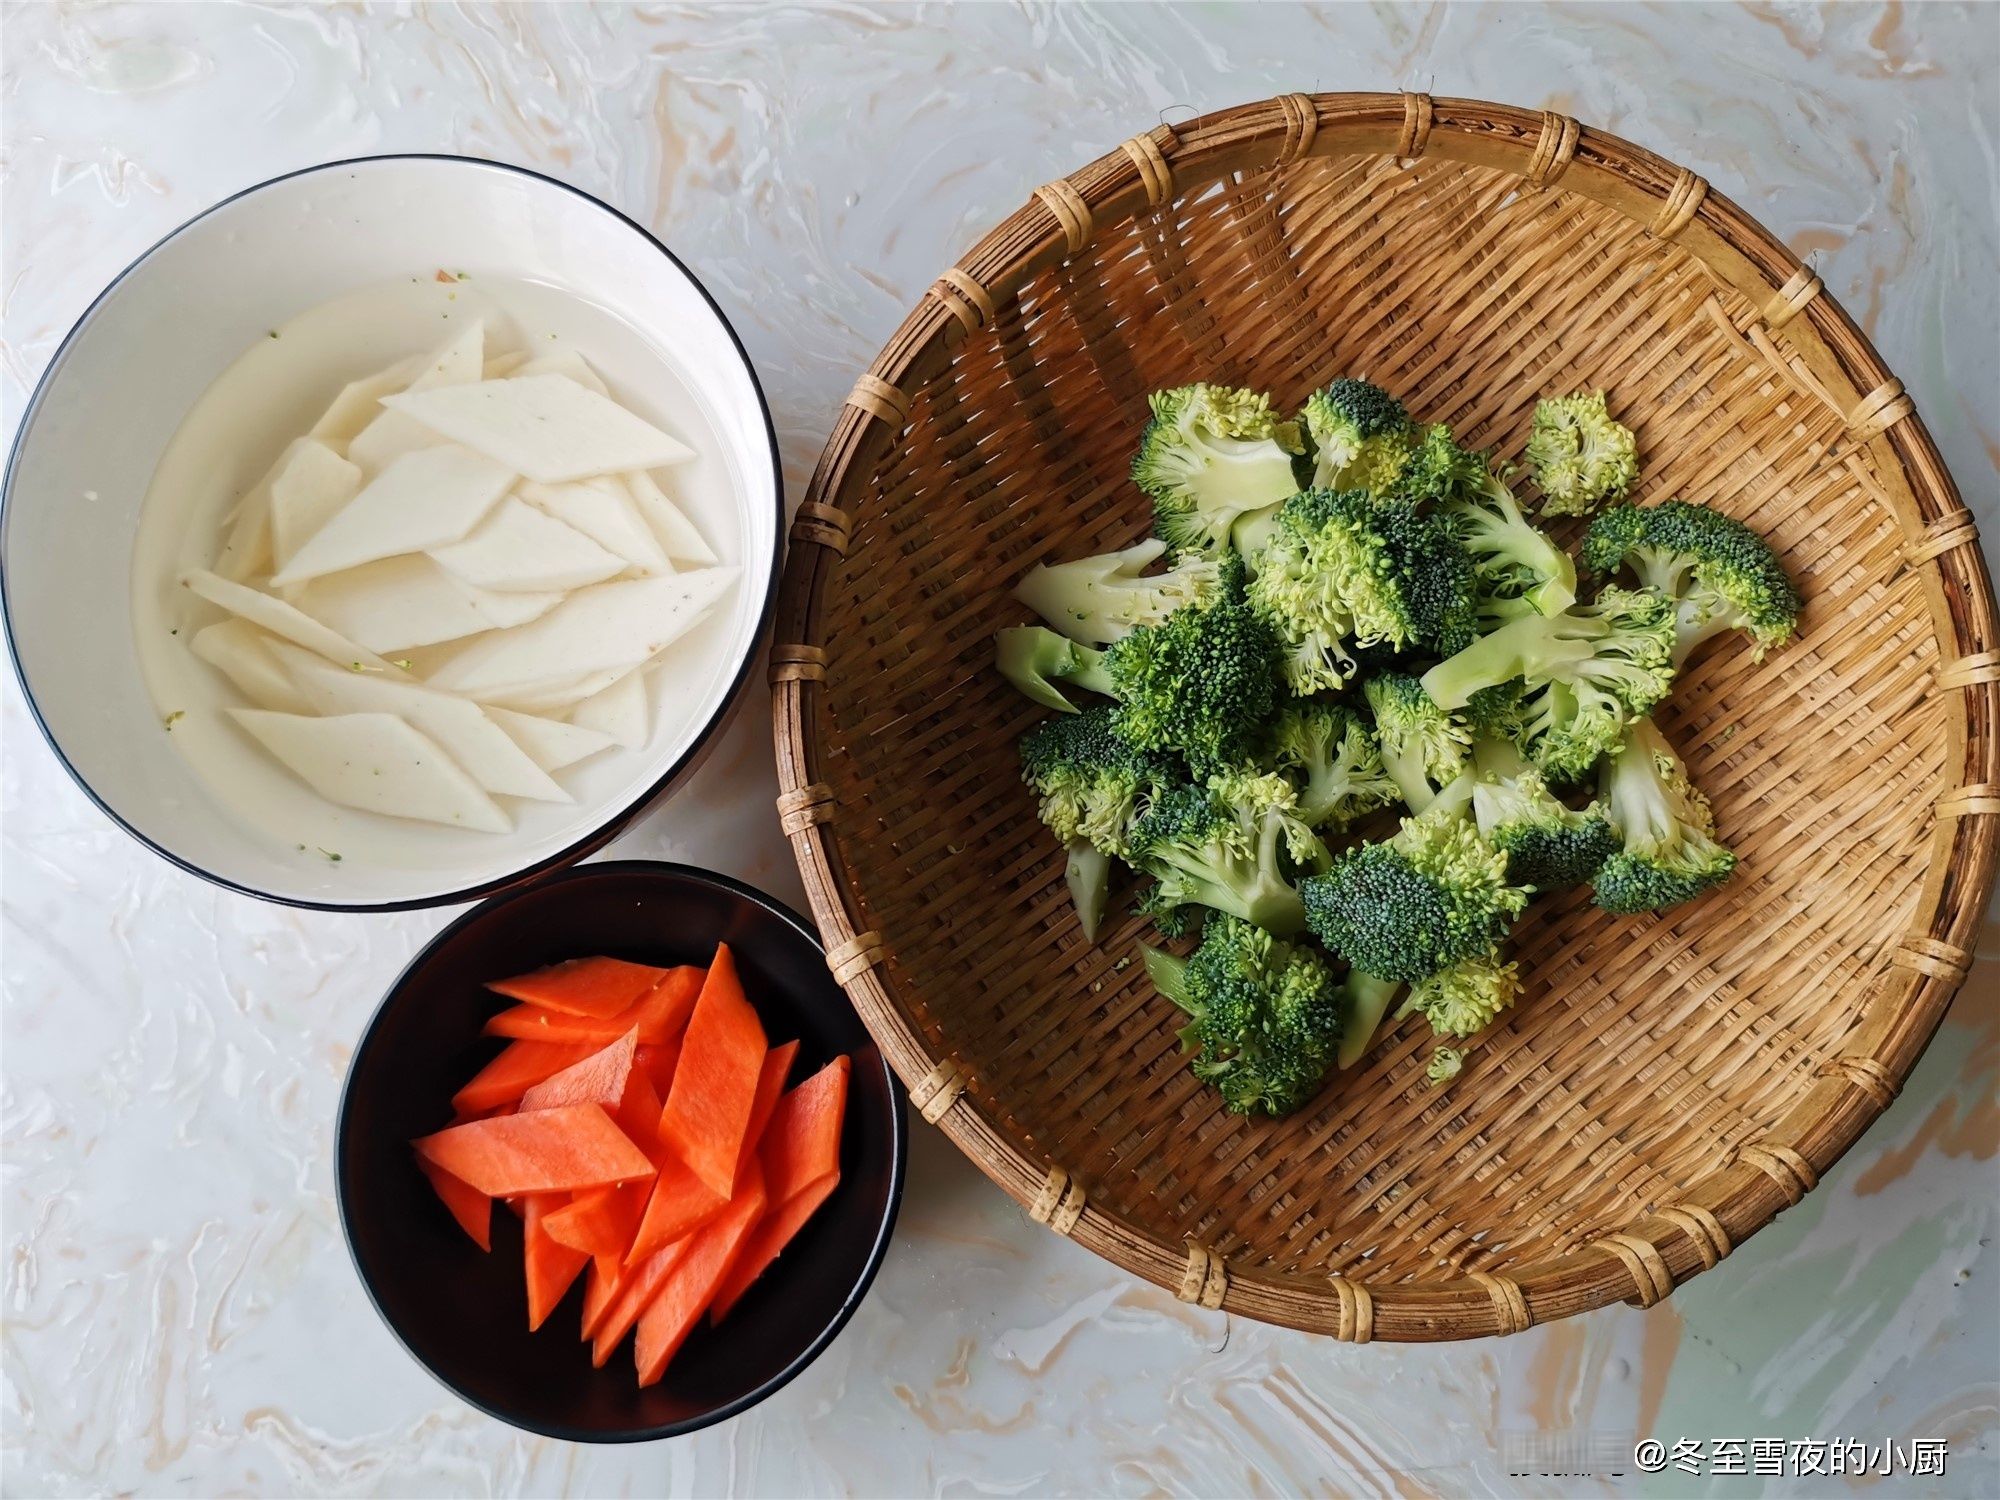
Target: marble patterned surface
point(179, 1314)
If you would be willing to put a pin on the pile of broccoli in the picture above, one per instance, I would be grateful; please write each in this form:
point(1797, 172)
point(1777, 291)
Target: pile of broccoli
point(1349, 712)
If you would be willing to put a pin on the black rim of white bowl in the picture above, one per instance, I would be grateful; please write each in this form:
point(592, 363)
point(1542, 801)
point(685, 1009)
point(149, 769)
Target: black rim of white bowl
point(899, 1157)
point(619, 820)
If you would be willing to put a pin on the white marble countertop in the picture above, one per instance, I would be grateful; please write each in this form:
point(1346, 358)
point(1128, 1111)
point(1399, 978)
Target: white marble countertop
point(180, 1314)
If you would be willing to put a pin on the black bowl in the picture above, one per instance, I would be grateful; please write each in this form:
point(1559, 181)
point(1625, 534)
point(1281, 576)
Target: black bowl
point(464, 1314)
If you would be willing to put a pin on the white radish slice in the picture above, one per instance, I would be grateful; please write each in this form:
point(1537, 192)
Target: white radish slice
point(520, 548)
point(569, 364)
point(670, 524)
point(546, 427)
point(402, 603)
point(613, 627)
point(309, 491)
point(236, 649)
point(500, 366)
point(422, 500)
point(287, 622)
point(460, 362)
point(246, 550)
point(553, 695)
point(550, 743)
point(377, 763)
point(604, 513)
point(360, 402)
point(464, 733)
point(623, 711)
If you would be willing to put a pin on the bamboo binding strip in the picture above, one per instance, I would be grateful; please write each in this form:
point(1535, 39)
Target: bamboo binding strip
point(1276, 245)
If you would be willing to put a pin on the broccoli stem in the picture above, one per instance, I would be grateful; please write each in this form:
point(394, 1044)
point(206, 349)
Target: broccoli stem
point(1169, 974)
point(1366, 1000)
point(1088, 874)
point(1534, 646)
point(1498, 759)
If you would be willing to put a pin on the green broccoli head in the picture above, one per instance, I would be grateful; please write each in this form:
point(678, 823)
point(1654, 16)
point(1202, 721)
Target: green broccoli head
point(1583, 675)
point(1212, 455)
point(1422, 746)
point(1341, 573)
point(1091, 781)
point(1463, 999)
point(1581, 457)
point(1204, 682)
point(1361, 437)
point(1549, 846)
point(1434, 894)
point(1229, 844)
point(1516, 569)
point(1333, 749)
point(1097, 600)
point(1670, 854)
point(1720, 574)
point(1263, 1014)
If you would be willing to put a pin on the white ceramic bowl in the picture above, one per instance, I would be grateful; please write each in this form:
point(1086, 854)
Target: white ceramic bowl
point(117, 391)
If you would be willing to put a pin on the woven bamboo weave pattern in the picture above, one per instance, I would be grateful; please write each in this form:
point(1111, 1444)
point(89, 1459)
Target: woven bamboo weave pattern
point(1667, 1083)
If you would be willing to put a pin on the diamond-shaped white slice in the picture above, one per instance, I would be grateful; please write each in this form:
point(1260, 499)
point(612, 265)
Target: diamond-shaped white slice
point(360, 402)
point(500, 366)
point(422, 500)
point(309, 491)
point(623, 711)
point(286, 622)
point(521, 548)
point(237, 649)
point(246, 546)
point(546, 427)
point(377, 763)
point(550, 743)
point(401, 603)
point(460, 728)
point(569, 364)
point(461, 360)
point(603, 511)
point(676, 533)
point(552, 695)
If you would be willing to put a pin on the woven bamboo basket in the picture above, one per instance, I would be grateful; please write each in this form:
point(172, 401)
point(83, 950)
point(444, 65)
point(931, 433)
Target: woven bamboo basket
point(1666, 1085)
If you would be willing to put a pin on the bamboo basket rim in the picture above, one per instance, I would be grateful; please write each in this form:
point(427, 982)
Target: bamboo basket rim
point(1645, 1259)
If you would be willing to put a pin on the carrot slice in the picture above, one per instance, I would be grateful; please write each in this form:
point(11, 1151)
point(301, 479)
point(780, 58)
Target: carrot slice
point(660, 1015)
point(691, 1285)
point(472, 1208)
point(582, 986)
point(550, 1266)
point(658, 1064)
point(715, 1085)
point(600, 1290)
point(539, 1151)
point(802, 1142)
point(638, 1288)
point(517, 1069)
point(772, 1233)
point(770, 1084)
point(680, 1204)
point(597, 1079)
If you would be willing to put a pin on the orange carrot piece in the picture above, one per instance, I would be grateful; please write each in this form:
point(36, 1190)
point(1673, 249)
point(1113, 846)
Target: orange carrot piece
point(582, 986)
point(472, 1208)
point(690, 1286)
point(600, 1290)
point(641, 1284)
point(550, 1266)
point(770, 1236)
point(597, 1079)
point(658, 1064)
point(680, 1203)
point(715, 1085)
point(660, 1015)
point(517, 1069)
point(539, 1151)
point(802, 1142)
point(770, 1084)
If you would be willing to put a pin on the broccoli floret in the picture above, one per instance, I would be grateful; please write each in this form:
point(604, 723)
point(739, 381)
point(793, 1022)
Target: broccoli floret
point(1203, 682)
point(1102, 599)
point(1434, 894)
point(1342, 572)
point(1585, 673)
point(1670, 854)
point(1517, 570)
point(1361, 437)
point(1581, 457)
point(1720, 574)
point(1228, 844)
point(1090, 780)
point(1422, 746)
point(1549, 847)
point(1332, 747)
point(1446, 1064)
point(1463, 999)
point(1264, 1014)
point(1212, 455)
